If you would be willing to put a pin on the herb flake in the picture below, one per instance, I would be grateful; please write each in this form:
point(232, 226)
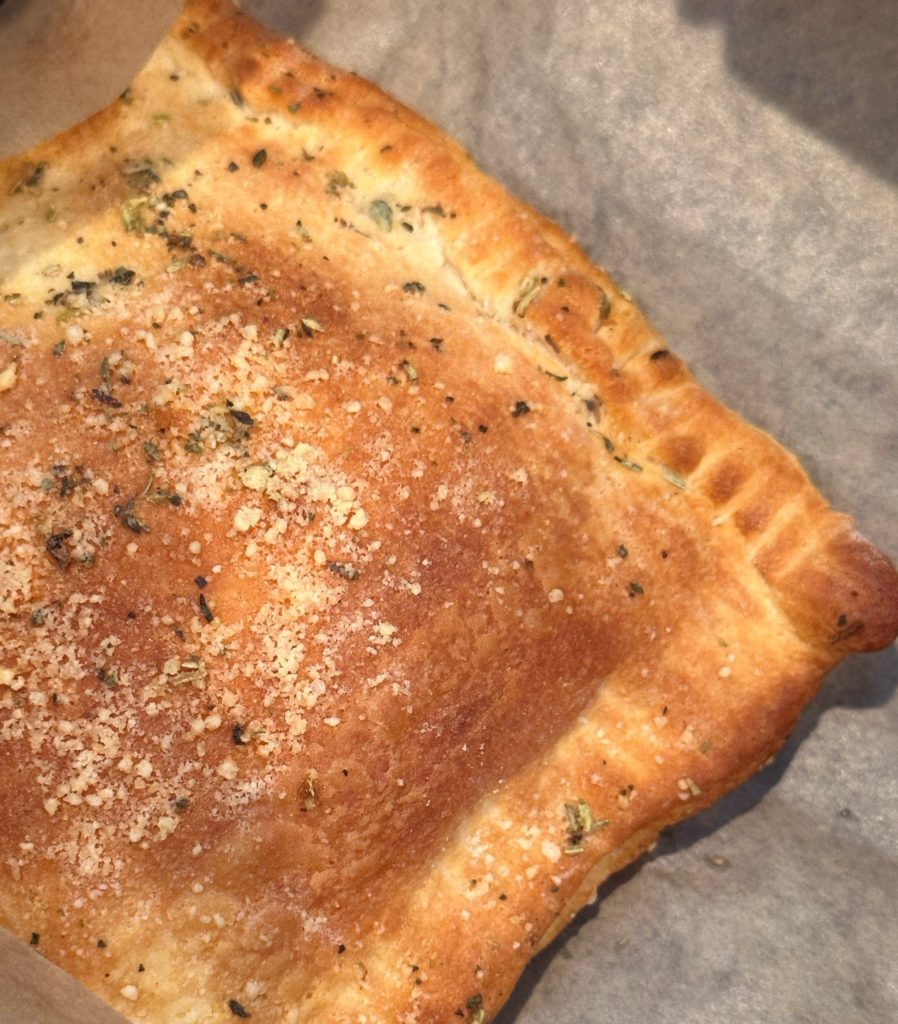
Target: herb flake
point(152, 452)
point(381, 213)
point(344, 570)
point(529, 290)
point(32, 176)
point(580, 823)
point(336, 181)
point(476, 1011)
point(628, 463)
point(57, 548)
point(205, 610)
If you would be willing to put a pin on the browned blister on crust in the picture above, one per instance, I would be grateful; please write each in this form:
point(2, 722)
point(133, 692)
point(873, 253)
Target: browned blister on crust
point(373, 580)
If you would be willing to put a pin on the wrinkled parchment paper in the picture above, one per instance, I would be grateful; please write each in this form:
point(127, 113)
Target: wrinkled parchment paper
point(733, 164)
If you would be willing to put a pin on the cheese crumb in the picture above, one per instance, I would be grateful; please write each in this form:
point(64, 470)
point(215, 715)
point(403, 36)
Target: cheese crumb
point(503, 364)
point(556, 596)
point(246, 517)
point(8, 378)
point(167, 824)
point(551, 851)
point(131, 992)
point(228, 769)
point(255, 477)
point(358, 520)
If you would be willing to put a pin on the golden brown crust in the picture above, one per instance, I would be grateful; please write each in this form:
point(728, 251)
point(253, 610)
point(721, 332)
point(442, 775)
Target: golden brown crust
point(374, 580)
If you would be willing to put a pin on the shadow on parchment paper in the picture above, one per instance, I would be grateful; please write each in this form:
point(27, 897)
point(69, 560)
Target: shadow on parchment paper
point(832, 64)
point(867, 682)
point(10, 10)
point(289, 19)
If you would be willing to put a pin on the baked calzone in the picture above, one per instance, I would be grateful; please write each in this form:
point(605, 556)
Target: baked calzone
point(374, 580)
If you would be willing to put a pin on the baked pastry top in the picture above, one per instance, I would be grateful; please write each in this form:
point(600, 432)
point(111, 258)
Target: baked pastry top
point(373, 579)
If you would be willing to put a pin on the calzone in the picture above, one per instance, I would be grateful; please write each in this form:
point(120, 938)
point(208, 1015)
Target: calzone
point(374, 580)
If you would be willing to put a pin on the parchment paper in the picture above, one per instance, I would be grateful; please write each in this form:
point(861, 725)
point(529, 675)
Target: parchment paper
point(732, 163)
point(34, 991)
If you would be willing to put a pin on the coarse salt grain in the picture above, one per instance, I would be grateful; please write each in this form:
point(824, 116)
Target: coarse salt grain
point(556, 596)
